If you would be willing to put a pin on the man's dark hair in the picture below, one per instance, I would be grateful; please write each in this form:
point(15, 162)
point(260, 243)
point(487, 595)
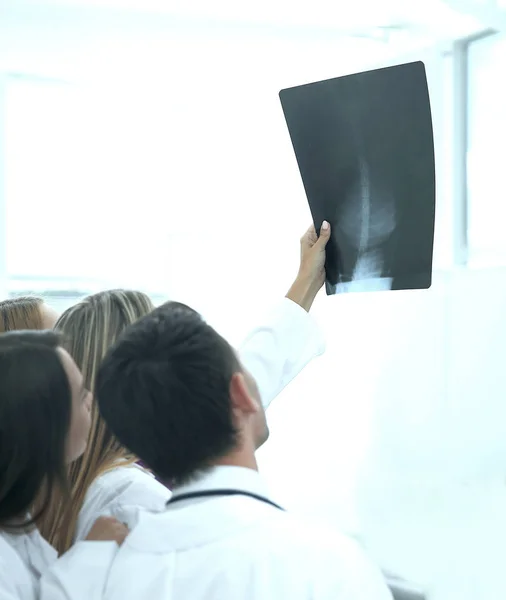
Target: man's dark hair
point(35, 413)
point(164, 390)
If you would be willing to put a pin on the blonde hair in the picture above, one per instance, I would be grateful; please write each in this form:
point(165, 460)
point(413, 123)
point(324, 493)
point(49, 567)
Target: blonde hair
point(20, 313)
point(90, 328)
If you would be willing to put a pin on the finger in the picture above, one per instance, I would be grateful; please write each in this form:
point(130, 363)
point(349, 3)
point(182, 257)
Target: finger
point(324, 234)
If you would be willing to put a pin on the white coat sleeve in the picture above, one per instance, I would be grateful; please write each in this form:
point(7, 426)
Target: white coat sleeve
point(277, 351)
point(80, 574)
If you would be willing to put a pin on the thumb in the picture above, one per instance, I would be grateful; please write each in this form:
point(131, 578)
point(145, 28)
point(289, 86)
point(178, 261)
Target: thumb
point(324, 236)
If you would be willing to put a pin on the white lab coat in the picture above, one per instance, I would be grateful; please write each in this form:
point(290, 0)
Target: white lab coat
point(30, 569)
point(274, 353)
point(15, 579)
point(226, 548)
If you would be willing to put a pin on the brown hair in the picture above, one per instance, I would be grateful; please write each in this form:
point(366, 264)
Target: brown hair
point(35, 409)
point(20, 313)
point(90, 328)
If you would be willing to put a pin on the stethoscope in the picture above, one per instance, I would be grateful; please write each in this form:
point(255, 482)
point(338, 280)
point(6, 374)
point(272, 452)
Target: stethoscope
point(224, 492)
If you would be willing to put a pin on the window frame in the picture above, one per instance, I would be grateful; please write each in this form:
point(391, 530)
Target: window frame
point(477, 257)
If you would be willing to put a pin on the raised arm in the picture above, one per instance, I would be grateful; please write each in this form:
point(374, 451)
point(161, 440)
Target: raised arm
point(289, 338)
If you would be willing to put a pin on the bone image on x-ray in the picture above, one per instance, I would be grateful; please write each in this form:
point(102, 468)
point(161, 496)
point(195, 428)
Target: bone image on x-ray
point(366, 219)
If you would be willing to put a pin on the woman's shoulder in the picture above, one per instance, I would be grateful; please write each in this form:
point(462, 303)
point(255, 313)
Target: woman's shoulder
point(125, 483)
point(15, 578)
point(123, 472)
point(124, 486)
point(8, 553)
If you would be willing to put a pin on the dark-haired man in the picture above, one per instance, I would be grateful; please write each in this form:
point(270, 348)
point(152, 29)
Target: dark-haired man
point(176, 394)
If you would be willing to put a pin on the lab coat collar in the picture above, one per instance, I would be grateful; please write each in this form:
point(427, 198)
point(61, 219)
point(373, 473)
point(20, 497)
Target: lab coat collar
point(42, 554)
point(194, 523)
point(225, 477)
point(37, 554)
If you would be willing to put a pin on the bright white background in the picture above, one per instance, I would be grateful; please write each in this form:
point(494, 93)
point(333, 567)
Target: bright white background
point(147, 149)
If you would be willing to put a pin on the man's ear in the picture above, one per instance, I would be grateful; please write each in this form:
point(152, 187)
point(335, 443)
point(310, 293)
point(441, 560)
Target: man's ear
point(240, 395)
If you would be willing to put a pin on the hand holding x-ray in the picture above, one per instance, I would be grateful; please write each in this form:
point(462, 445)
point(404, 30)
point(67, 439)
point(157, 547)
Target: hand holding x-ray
point(311, 275)
point(312, 253)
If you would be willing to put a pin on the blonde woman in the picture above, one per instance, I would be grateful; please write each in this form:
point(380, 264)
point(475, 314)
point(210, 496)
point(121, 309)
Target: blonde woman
point(26, 312)
point(105, 471)
point(106, 480)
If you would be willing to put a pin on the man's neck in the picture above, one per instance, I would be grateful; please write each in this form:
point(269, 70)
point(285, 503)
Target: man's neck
point(238, 458)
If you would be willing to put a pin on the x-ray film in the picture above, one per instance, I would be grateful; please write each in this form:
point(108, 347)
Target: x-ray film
point(365, 150)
